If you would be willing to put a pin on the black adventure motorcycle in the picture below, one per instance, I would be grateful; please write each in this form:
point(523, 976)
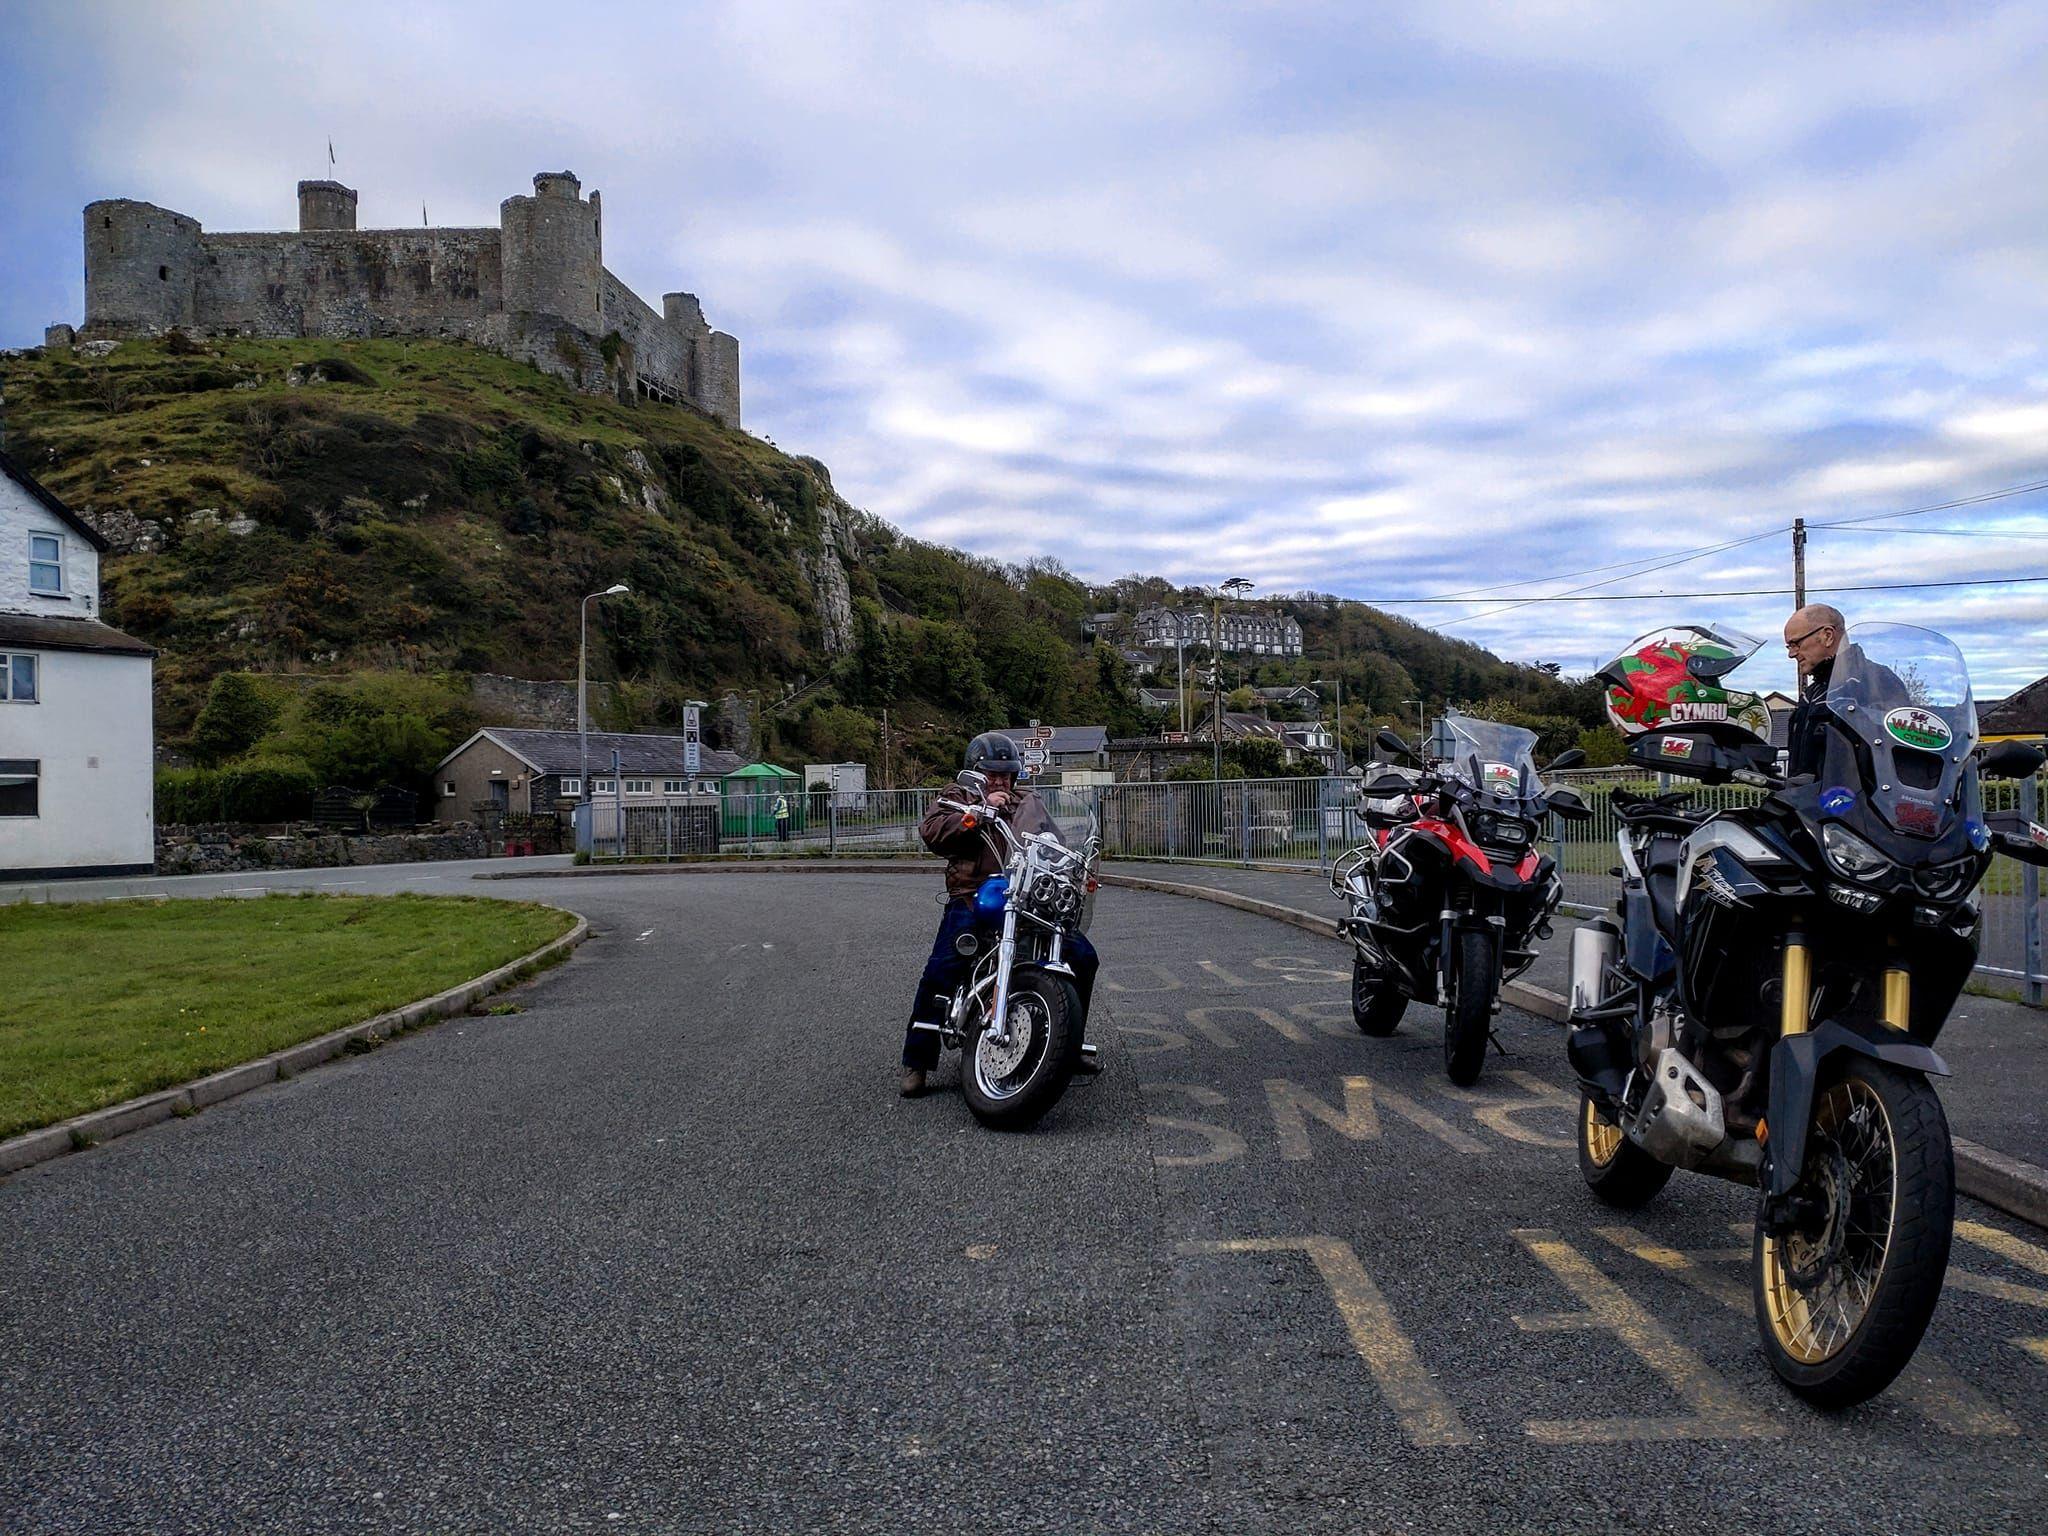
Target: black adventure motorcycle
point(1449, 893)
point(1764, 1004)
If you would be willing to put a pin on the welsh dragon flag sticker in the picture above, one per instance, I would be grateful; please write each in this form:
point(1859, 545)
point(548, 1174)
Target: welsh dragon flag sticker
point(1919, 728)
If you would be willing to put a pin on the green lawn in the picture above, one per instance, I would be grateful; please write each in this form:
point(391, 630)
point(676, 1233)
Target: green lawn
point(105, 1001)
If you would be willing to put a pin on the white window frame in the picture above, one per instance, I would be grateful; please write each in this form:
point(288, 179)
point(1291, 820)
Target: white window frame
point(601, 786)
point(55, 562)
point(447, 787)
point(639, 786)
point(35, 685)
point(34, 771)
point(675, 786)
point(572, 788)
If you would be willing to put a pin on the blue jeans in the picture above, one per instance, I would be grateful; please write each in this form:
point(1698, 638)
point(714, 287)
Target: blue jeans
point(947, 969)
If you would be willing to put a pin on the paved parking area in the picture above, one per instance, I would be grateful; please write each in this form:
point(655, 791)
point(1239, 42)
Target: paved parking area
point(663, 1251)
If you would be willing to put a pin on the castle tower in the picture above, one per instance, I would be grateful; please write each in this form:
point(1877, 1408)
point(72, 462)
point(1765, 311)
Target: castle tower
point(554, 251)
point(326, 205)
point(141, 268)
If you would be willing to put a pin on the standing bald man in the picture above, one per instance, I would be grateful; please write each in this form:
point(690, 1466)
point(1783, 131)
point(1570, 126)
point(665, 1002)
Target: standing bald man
point(1813, 636)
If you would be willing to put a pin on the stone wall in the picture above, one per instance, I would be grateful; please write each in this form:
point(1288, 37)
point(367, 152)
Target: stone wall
point(369, 282)
point(535, 288)
point(540, 703)
point(230, 848)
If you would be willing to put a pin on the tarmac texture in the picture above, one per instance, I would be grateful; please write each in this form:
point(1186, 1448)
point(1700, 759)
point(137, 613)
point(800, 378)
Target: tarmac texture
point(664, 1251)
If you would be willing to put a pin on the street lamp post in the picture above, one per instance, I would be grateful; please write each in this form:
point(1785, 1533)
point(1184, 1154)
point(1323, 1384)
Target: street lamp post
point(1421, 725)
point(582, 685)
point(1338, 683)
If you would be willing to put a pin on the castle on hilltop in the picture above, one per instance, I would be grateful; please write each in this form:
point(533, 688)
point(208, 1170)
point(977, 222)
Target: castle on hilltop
point(534, 288)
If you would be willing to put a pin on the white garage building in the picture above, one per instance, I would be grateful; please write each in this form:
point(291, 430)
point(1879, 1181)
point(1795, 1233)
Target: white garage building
point(77, 744)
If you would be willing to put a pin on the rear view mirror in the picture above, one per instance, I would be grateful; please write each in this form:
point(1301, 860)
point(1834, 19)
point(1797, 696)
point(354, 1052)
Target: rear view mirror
point(2010, 760)
point(1389, 741)
point(974, 779)
point(1569, 759)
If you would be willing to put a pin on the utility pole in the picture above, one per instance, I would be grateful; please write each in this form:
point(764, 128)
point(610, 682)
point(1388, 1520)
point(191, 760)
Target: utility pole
point(887, 783)
point(1216, 682)
point(1798, 562)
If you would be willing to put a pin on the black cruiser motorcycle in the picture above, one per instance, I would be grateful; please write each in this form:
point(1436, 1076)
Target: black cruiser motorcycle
point(1017, 1019)
point(1448, 894)
point(1764, 1004)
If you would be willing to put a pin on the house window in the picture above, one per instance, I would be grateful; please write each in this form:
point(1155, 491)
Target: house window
point(45, 563)
point(18, 679)
point(674, 786)
point(20, 779)
point(573, 788)
point(601, 786)
point(639, 786)
point(448, 787)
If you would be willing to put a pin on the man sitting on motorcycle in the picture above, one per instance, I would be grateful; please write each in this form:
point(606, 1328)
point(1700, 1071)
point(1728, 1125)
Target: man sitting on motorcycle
point(971, 857)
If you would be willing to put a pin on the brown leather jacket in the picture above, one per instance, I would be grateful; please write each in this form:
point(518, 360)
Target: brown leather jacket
point(969, 854)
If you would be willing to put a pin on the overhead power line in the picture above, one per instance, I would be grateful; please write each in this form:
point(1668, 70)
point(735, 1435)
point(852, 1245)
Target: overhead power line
point(1665, 597)
point(1950, 533)
point(1593, 586)
point(1940, 506)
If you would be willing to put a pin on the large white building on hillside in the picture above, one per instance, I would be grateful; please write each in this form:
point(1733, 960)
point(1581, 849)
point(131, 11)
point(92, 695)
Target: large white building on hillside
point(77, 745)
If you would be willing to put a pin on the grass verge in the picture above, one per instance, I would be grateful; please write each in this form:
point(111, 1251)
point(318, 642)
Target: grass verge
point(106, 1001)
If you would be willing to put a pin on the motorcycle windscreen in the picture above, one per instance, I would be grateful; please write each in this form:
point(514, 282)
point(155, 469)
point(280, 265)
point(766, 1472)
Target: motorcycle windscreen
point(1899, 700)
point(1678, 676)
point(1497, 760)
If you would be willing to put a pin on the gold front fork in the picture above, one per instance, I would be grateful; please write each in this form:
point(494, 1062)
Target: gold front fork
point(1898, 995)
point(1796, 1005)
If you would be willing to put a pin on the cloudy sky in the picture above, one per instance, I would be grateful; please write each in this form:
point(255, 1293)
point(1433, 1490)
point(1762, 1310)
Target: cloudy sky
point(1389, 301)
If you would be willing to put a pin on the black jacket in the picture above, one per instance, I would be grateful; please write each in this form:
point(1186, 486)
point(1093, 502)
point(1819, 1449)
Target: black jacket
point(1806, 732)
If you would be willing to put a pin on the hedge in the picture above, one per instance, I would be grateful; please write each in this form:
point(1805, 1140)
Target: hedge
point(264, 789)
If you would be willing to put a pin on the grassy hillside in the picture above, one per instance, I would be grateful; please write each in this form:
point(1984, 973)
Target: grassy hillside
point(431, 509)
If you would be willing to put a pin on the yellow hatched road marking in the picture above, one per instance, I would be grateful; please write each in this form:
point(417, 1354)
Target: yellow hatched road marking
point(1497, 1114)
point(2017, 1250)
point(1928, 1384)
point(1718, 1411)
point(1426, 1415)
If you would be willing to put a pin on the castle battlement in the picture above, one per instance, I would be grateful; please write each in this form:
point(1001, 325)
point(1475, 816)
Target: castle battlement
point(534, 288)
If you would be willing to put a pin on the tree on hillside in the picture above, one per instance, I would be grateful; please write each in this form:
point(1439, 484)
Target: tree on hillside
point(232, 720)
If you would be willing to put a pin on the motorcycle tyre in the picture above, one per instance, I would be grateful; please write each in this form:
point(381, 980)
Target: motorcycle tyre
point(1377, 1003)
point(1923, 1225)
point(1630, 1178)
point(1055, 1066)
point(1468, 1012)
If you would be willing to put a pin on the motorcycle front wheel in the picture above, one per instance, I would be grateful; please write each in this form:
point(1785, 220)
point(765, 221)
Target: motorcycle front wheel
point(1009, 1085)
point(1468, 1013)
point(1377, 1001)
point(1842, 1300)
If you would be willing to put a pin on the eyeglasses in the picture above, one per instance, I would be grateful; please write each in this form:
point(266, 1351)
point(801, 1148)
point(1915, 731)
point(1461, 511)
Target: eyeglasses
point(1792, 646)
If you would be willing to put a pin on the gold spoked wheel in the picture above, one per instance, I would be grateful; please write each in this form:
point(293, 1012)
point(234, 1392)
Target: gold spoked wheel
point(1818, 1283)
point(1602, 1140)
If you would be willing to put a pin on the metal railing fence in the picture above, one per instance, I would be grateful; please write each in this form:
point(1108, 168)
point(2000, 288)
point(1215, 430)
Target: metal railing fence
point(1305, 823)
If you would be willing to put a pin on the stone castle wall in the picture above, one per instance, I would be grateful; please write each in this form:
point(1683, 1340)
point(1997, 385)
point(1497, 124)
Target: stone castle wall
point(534, 288)
point(370, 282)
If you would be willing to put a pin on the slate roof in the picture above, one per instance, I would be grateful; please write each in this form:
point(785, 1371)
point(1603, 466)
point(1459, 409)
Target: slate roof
point(2022, 714)
point(560, 752)
point(1067, 739)
point(1159, 698)
point(12, 468)
point(36, 632)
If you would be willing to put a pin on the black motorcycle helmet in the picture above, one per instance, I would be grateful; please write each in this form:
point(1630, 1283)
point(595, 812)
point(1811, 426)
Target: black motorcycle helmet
point(993, 752)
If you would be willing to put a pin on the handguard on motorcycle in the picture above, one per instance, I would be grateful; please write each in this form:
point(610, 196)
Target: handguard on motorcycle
point(2015, 836)
point(1566, 803)
point(2010, 760)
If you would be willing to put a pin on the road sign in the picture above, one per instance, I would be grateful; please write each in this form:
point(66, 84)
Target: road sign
point(1031, 755)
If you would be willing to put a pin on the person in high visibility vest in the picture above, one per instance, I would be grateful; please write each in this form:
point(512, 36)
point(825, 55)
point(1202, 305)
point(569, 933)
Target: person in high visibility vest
point(781, 812)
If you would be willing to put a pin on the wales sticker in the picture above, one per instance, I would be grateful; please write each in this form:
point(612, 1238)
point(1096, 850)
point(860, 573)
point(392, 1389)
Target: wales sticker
point(1918, 728)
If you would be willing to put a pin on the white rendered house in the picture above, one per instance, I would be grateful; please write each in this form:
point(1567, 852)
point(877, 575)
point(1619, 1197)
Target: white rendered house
point(77, 743)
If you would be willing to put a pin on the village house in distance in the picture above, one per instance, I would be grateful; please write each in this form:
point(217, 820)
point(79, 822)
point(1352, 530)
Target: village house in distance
point(533, 288)
point(77, 748)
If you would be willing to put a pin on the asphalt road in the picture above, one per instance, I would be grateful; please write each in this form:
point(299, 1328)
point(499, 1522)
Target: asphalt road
point(664, 1251)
